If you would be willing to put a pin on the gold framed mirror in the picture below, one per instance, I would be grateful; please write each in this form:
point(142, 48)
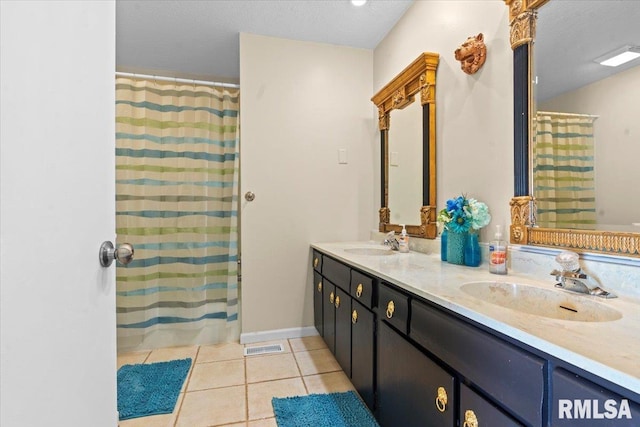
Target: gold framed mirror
point(525, 227)
point(418, 78)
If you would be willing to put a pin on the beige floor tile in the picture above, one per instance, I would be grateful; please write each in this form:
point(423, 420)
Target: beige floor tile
point(132, 358)
point(219, 352)
point(266, 368)
point(314, 342)
point(216, 375)
point(215, 407)
point(260, 395)
point(316, 362)
point(285, 345)
point(332, 382)
point(166, 420)
point(172, 353)
point(268, 422)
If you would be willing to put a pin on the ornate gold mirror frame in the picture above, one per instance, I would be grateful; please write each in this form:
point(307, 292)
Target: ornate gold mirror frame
point(522, 20)
point(419, 76)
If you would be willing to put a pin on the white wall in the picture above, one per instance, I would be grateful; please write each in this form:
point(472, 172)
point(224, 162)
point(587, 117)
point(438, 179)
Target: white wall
point(474, 124)
point(616, 133)
point(300, 103)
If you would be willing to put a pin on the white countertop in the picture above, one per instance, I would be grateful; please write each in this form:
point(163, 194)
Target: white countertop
point(610, 350)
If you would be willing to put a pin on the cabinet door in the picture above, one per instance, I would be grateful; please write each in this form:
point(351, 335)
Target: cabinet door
point(362, 351)
point(476, 411)
point(328, 314)
point(576, 401)
point(409, 384)
point(317, 302)
point(342, 303)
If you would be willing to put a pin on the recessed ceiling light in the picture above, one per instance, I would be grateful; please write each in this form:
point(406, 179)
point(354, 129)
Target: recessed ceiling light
point(358, 2)
point(619, 56)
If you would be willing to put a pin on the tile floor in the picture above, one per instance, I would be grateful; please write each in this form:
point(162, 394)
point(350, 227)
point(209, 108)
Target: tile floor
point(224, 388)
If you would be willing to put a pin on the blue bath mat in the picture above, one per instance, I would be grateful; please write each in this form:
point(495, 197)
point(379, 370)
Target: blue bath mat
point(322, 410)
point(150, 389)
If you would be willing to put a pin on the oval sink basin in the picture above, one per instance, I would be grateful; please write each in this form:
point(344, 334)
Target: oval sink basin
point(370, 251)
point(550, 303)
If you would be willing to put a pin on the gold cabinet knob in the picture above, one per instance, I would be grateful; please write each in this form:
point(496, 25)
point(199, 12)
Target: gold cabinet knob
point(359, 290)
point(441, 400)
point(391, 307)
point(331, 297)
point(337, 301)
point(315, 262)
point(354, 317)
point(319, 286)
point(470, 419)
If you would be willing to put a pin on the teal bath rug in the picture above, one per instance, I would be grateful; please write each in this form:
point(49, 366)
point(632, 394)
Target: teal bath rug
point(150, 389)
point(323, 410)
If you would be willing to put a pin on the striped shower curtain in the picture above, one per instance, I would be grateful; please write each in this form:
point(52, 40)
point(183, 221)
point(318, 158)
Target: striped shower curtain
point(563, 170)
point(176, 202)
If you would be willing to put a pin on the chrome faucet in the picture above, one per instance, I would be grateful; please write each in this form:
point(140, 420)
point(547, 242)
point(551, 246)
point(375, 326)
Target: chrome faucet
point(390, 240)
point(572, 278)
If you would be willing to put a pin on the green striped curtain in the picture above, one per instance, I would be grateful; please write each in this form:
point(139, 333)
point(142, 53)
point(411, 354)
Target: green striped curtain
point(563, 170)
point(176, 202)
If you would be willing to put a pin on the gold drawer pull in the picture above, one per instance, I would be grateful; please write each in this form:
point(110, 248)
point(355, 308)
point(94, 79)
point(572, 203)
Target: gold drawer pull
point(354, 317)
point(441, 400)
point(337, 301)
point(390, 309)
point(359, 290)
point(470, 419)
point(331, 297)
point(315, 262)
point(319, 286)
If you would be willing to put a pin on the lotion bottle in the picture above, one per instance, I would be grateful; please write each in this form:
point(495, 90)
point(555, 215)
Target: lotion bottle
point(403, 242)
point(498, 254)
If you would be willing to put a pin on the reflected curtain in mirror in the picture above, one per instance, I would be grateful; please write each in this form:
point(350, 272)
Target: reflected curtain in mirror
point(176, 202)
point(563, 170)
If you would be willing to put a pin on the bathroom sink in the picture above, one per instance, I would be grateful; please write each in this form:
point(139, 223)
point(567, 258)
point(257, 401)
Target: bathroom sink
point(551, 303)
point(369, 251)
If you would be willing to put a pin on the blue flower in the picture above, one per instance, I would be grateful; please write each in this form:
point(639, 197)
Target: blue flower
point(462, 215)
point(460, 222)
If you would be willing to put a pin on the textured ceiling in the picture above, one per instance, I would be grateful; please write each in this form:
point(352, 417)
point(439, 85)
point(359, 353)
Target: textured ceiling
point(201, 38)
point(571, 34)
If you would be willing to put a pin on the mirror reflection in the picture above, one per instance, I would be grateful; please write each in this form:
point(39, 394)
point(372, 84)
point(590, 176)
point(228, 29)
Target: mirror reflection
point(586, 131)
point(405, 164)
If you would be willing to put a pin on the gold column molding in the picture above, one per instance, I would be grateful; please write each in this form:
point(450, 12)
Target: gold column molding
point(522, 20)
point(522, 214)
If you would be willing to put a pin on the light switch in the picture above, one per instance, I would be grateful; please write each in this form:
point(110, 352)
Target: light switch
point(393, 159)
point(342, 156)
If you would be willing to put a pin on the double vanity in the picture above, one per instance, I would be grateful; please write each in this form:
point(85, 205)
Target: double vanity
point(428, 343)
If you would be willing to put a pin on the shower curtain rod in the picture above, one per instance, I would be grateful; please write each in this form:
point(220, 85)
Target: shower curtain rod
point(553, 113)
point(177, 80)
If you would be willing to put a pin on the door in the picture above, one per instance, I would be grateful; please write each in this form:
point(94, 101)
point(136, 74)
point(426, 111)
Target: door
point(57, 166)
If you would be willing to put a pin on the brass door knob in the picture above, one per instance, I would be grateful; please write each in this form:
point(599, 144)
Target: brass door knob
point(391, 307)
point(354, 317)
point(470, 419)
point(331, 297)
point(315, 262)
point(441, 400)
point(337, 301)
point(319, 286)
point(359, 290)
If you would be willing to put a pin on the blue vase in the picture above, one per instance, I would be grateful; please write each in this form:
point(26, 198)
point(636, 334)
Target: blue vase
point(443, 245)
point(455, 247)
point(472, 250)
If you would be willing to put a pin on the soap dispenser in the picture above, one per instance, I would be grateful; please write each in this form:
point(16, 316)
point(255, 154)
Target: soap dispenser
point(498, 254)
point(403, 245)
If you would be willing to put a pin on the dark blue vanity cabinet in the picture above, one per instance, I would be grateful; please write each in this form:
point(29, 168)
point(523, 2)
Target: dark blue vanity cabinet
point(415, 363)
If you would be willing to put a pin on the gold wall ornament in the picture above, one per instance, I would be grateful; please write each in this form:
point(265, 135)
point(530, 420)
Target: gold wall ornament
point(472, 54)
point(522, 208)
point(419, 76)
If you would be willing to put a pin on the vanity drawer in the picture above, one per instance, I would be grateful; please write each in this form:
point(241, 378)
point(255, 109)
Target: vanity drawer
point(337, 272)
point(512, 377)
point(316, 261)
point(362, 288)
point(393, 307)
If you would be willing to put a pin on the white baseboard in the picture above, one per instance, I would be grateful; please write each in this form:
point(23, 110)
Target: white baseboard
point(277, 334)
